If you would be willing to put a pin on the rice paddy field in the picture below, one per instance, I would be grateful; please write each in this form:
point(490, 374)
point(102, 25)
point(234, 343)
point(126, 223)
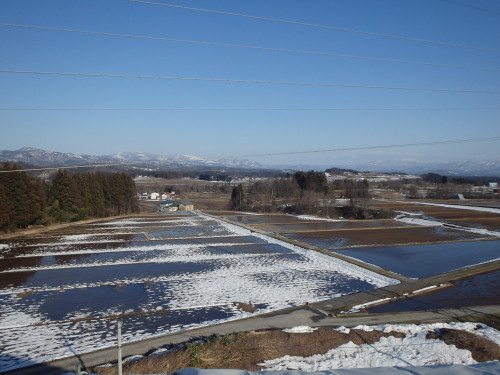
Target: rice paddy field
point(423, 240)
point(62, 293)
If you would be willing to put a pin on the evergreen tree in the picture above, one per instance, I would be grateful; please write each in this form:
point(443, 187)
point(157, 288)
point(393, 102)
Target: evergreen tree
point(25, 198)
point(237, 198)
point(5, 208)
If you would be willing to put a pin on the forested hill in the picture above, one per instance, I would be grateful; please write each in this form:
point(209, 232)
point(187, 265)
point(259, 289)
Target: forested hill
point(26, 200)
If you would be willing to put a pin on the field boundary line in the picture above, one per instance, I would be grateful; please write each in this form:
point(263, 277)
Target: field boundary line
point(367, 266)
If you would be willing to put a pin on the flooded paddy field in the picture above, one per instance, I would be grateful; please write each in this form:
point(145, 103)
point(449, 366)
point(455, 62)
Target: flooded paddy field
point(441, 212)
point(479, 290)
point(382, 236)
point(62, 293)
point(259, 219)
point(310, 226)
point(419, 261)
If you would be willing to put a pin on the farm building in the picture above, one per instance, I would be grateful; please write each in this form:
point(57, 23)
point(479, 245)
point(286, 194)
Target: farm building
point(168, 206)
point(186, 206)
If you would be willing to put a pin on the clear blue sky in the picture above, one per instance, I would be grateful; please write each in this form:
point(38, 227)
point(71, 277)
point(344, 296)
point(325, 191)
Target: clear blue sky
point(220, 133)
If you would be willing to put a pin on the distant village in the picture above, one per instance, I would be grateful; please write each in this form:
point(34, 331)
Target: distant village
point(168, 202)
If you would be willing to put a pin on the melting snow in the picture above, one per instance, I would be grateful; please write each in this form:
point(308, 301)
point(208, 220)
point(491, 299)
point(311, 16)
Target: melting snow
point(412, 350)
point(300, 329)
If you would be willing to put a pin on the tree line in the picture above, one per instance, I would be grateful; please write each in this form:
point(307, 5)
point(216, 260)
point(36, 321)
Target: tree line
point(306, 193)
point(26, 200)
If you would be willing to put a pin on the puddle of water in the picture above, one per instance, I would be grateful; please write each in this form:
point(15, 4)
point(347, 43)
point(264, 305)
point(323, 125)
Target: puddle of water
point(480, 290)
point(426, 260)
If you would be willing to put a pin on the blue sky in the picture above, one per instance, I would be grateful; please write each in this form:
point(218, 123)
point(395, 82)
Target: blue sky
point(474, 23)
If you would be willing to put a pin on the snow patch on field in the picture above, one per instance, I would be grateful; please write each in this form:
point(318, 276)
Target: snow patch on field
point(412, 350)
point(315, 218)
point(459, 207)
point(361, 306)
point(403, 217)
point(76, 238)
point(300, 329)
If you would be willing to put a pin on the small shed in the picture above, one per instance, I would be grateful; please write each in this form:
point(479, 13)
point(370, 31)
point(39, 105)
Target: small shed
point(186, 206)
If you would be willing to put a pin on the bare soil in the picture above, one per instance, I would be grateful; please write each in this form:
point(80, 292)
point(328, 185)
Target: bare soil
point(245, 350)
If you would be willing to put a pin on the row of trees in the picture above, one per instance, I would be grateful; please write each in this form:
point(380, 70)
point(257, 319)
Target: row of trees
point(26, 200)
point(304, 193)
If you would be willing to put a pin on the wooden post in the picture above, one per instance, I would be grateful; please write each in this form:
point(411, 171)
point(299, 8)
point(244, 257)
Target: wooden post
point(120, 347)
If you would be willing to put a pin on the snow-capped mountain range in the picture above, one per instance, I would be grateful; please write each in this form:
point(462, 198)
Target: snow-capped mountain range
point(43, 158)
point(35, 156)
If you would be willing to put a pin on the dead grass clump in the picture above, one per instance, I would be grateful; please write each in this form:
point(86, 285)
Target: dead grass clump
point(481, 349)
point(244, 350)
point(25, 294)
point(247, 307)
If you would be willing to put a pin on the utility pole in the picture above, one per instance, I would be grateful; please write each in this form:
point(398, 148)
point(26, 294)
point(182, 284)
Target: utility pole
point(120, 365)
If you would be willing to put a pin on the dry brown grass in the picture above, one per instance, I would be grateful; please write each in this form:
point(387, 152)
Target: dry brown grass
point(245, 350)
point(481, 349)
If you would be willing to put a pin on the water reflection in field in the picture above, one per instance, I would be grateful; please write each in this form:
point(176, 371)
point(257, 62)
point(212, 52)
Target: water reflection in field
point(381, 236)
point(479, 290)
point(426, 260)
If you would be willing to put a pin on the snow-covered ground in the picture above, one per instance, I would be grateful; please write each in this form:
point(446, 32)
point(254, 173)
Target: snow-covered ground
point(60, 297)
point(415, 219)
point(315, 218)
point(412, 350)
point(461, 207)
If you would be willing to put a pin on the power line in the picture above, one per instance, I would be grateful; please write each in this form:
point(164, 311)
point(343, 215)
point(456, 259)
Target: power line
point(362, 32)
point(471, 140)
point(472, 7)
point(69, 167)
point(187, 109)
point(435, 143)
point(226, 80)
point(261, 48)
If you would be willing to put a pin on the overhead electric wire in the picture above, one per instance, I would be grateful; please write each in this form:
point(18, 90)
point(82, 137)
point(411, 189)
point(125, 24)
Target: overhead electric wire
point(70, 167)
point(179, 109)
point(227, 80)
point(435, 143)
point(335, 28)
point(472, 7)
point(261, 48)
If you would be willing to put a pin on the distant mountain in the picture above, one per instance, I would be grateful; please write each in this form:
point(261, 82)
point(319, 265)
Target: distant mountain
point(184, 159)
point(461, 168)
point(43, 158)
